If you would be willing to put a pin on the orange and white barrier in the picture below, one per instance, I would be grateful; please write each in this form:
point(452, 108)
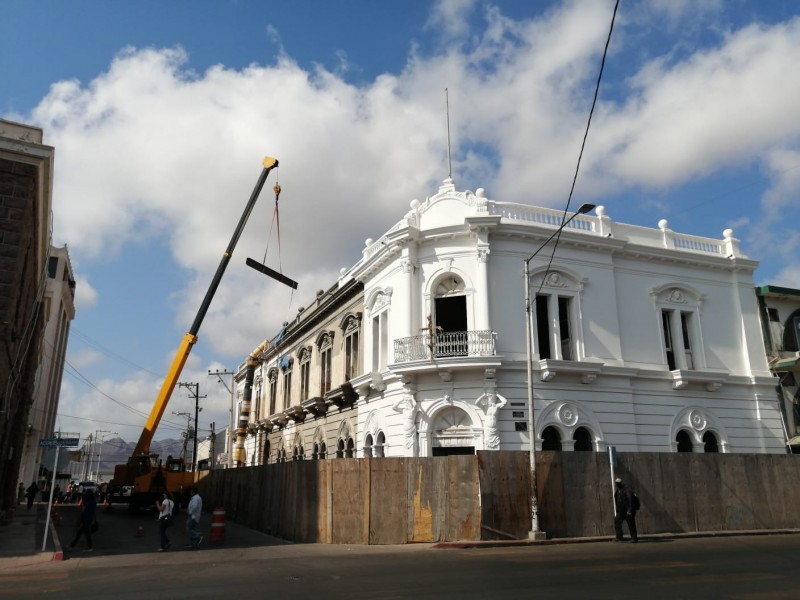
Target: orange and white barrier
point(218, 525)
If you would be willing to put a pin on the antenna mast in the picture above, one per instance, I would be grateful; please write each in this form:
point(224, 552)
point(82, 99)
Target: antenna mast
point(449, 159)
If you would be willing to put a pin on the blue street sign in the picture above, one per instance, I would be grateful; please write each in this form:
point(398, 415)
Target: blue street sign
point(61, 442)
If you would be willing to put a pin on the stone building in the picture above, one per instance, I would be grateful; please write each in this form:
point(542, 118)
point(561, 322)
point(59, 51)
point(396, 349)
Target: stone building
point(26, 184)
point(295, 395)
point(640, 338)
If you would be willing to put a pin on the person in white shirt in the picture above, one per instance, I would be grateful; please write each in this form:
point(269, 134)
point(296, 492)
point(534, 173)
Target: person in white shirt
point(194, 510)
point(164, 506)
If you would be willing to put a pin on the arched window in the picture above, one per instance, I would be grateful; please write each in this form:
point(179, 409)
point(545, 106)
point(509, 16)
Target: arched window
point(368, 445)
point(583, 440)
point(340, 448)
point(380, 444)
point(684, 441)
point(350, 451)
point(710, 443)
point(551, 439)
point(322, 451)
point(266, 452)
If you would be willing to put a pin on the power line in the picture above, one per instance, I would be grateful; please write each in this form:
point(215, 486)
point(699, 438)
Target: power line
point(583, 143)
point(107, 351)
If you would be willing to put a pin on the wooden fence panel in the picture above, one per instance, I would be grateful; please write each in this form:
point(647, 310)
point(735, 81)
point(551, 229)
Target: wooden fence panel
point(463, 499)
point(505, 494)
point(350, 495)
point(584, 494)
point(736, 498)
point(427, 499)
point(705, 488)
point(550, 493)
point(388, 504)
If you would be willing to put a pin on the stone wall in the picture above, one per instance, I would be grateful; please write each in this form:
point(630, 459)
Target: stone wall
point(20, 322)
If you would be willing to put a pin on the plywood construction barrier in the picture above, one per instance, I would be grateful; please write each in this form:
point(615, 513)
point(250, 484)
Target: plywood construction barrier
point(487, 496)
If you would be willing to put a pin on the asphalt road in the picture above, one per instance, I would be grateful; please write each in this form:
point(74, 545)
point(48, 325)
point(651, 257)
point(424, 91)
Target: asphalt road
point(253, 565)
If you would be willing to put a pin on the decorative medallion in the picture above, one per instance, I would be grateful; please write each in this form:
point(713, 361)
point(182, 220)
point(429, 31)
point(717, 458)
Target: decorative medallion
point(568, 415)
point(697, 420)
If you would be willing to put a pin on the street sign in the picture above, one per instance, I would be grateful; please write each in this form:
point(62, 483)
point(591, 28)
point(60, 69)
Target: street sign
point(59, 442)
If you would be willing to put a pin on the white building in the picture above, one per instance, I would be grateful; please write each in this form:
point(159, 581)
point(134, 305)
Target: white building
point(644, 339)
point(57, 312)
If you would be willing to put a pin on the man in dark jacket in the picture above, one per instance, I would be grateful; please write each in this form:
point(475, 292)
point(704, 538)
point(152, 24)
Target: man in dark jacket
point(87, 518)
point(624, 511)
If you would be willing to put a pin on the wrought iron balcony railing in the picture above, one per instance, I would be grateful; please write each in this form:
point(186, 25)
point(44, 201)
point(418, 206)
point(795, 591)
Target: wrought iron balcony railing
point(445, 345)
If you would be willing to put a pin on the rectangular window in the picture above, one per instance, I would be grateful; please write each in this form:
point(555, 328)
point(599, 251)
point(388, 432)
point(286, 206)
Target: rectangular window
point(565, 331)
point(668, 347)
point(542, 327)
point(305, 370)
point(380, 343)
point(687, 345)
point(287, 388)
point(257, 411)
point(678, 344)
point(325, 371)
point(351, 356)
point(273, 394)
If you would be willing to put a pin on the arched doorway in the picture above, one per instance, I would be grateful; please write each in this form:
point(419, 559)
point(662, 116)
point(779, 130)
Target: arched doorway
point(451, 433)
point(450, 317)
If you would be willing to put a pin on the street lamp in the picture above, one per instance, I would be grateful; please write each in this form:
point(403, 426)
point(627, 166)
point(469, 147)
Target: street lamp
point(535, 532)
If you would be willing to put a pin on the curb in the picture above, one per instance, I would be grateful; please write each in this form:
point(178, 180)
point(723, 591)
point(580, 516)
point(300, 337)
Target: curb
point(595, 539)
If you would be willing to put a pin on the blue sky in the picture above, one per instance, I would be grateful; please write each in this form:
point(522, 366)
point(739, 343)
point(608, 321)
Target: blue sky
point(161, 112)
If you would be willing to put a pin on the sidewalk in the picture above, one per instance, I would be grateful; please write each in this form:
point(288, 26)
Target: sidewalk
point(22, 538)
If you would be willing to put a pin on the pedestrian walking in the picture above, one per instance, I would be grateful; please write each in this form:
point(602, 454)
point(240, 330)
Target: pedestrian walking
point(193, 512)
point(164, 506)
point(625, 511)
point(30, 493)
point(87, 519)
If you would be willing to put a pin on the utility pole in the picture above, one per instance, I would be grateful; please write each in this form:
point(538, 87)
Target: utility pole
point(100, 453)
point(231, 424)
point(96, 472)
point(185, 433)
point(212, 447)
point(197, 410)
point(88, 460)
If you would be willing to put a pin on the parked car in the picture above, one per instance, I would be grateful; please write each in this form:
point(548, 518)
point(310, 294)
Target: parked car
point(85, 486)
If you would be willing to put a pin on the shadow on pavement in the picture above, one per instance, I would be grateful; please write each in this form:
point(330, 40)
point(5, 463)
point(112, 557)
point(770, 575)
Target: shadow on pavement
point(121, 533)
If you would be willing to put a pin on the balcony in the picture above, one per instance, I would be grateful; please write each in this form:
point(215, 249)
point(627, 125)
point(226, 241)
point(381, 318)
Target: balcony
point(449, 344)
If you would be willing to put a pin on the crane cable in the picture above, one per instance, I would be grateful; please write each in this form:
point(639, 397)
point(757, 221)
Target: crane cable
point(276, 223)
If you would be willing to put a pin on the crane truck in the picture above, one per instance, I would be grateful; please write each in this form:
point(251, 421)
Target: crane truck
point(144, 474)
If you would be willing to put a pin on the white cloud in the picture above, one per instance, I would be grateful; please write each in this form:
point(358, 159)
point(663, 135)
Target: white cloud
point(85, 295)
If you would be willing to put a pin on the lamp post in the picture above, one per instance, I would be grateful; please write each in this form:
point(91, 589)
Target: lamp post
point(535, 532)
